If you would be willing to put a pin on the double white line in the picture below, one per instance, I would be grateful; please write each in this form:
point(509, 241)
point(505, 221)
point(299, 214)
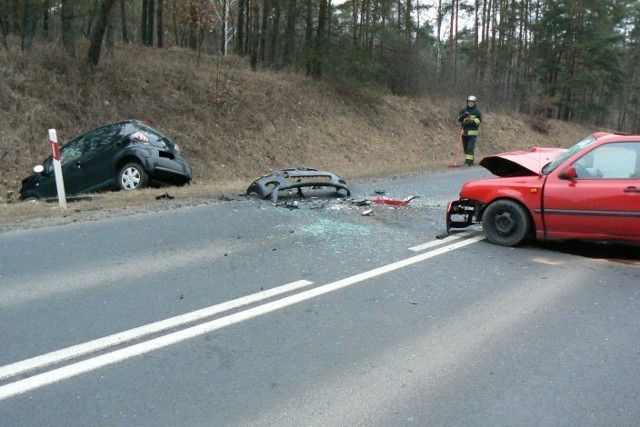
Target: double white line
point(77, 368)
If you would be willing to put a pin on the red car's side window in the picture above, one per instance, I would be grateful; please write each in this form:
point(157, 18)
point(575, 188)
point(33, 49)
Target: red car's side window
point(620, 160)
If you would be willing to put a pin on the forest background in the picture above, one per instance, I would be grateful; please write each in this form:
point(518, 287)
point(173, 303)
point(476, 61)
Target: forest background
point(362, 88)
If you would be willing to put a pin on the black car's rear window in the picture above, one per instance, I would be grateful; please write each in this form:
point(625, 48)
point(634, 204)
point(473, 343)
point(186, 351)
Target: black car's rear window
point(154, 133)
point(156, 137)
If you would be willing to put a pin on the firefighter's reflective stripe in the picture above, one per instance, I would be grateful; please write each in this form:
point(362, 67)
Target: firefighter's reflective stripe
point(472, 132)
point(468, 157)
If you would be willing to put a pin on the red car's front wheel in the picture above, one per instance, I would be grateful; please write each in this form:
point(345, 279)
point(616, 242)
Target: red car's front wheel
point(506, 223)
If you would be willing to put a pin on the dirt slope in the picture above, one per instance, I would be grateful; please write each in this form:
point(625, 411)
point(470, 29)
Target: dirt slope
point(233, 124)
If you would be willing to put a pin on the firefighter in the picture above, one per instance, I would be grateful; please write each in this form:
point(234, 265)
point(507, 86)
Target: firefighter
point(470, 118)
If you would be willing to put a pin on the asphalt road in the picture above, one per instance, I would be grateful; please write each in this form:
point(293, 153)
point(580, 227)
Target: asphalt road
point(245, 313)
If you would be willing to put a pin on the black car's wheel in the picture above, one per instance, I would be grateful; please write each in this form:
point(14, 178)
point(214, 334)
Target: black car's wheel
point(30, 198)
point(132, 176)
point(506, 223)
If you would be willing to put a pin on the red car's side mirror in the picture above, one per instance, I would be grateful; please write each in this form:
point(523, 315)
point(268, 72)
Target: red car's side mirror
point(570, 173)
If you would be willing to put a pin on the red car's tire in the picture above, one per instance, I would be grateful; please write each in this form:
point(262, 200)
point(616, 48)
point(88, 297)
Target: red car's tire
point(506, 223)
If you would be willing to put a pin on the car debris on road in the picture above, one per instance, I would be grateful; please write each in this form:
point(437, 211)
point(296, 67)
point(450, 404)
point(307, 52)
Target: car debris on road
point(393, 202)
point(268, 186)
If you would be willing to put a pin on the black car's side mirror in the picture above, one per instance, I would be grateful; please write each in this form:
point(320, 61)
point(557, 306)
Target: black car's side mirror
point(570, 173)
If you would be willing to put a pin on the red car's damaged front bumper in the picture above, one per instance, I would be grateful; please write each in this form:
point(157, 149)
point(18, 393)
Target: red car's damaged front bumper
point(462, 213)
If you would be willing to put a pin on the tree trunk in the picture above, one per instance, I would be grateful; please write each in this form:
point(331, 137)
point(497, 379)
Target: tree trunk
point(150, 24)
point(439, 19)
point(45, 16)
point(223, 30)
point(407, 21)
point(308, 37)
point(262, 49)
point(289, 35)
point(240, 28)
point(476, 36)
point(160, 26)
point(451, 22)
point(362, 26)
point(174, 16)
point(27, 25)
point(453, 38)
point(318, 49)
point(143, 23)
point(3, 27)
point(110, 31)
point(354, 19)
point(255, 36)
point(68, 35)
point(123, 16)
point(274, 33)
point(98, 33)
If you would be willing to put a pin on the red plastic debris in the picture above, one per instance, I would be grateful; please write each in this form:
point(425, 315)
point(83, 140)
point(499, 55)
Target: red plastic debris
point(393, 202)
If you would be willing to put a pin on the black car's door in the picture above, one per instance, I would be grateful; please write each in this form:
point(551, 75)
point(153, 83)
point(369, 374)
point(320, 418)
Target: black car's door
point(72, 174)
point(97, 161)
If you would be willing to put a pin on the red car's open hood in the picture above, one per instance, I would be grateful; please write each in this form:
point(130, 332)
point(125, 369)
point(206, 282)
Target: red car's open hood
point(520, 163)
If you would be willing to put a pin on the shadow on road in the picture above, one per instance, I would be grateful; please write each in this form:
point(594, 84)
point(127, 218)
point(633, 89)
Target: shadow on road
point(626, 254)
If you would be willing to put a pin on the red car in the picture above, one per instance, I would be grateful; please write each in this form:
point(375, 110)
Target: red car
point(589, 192)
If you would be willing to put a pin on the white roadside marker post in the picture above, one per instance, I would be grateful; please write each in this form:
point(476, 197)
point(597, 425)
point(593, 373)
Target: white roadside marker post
point(57, 169)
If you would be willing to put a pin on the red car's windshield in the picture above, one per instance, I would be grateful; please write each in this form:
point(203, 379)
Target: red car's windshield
point(570, 152)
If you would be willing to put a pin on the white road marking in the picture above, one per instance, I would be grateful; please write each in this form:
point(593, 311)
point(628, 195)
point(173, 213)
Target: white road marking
point(75, 369)
point(439, 242)
point(434, 243)
point(68, 353)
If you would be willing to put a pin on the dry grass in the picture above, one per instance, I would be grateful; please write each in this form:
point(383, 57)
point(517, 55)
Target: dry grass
point(232, 124)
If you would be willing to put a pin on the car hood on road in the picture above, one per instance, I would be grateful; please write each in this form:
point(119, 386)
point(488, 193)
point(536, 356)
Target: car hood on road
point(520, 163)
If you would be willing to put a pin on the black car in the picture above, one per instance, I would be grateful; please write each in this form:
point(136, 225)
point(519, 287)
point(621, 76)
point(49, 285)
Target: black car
point(126, 155)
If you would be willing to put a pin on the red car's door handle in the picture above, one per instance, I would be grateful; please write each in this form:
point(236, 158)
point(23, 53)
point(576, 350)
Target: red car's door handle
point(632, 190)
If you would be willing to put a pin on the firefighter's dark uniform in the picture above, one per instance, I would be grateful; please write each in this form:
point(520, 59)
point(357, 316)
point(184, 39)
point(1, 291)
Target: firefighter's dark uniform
point(470, 119)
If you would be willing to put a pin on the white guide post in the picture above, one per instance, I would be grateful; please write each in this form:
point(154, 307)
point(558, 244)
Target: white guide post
point(57, 168)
